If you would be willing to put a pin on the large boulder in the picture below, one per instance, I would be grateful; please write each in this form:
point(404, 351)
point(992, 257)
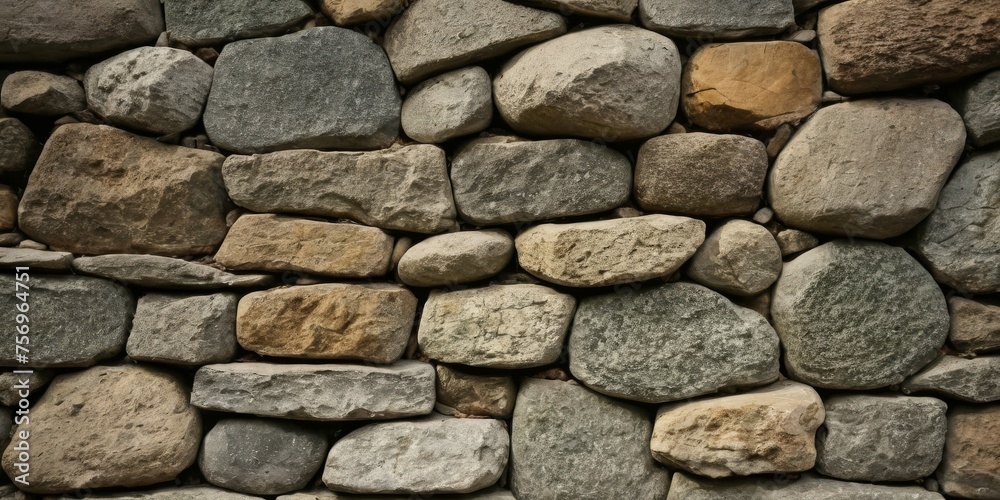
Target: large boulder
point(970, 467)
point(716, 19)
point(447, 106)
point(154, 271)
point(41, 93)
point(740, 257)
point(454, 258)
point(197, 23)
point(188, 330)
point(782, 487)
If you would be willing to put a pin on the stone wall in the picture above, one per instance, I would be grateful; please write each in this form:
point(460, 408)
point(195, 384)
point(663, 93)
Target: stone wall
point(491, 250)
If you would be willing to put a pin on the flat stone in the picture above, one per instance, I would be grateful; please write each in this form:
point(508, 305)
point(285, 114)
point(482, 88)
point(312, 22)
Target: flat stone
point(454, 258)
point(153, 271)
point(970, 467)
point(615, 10)
point(198, 23)
point(348, 12)
point(325, 494)
point(433, 36)
point(609, 252)
point(316, 392)
point(41, 93)
point(262, 456)
point(11, 385)
point(405, 188)
point(670, 342)
point(960, 239)
point(973, 380)
point(503, 180)
point(447, 106)
point(876, 45)
point(64, 330)
point(100, 428)
point(570, 443)
point(499, 326)
point(35, 259)
point(191, 330)
point(713, 175)
point(805, 487)
point(368, 322)
point(716, 19)
point(857, 315)
point(268, 242)
point(98, 190)
point(475, 395)
point(975, 326)
point(740, 257)
point(53, 32)
point(979, 105)
point(751, 85)
point(873, 143)
point(584, 84)
point(18, 147)
point(178, 493)
point(766, 431)
point(264, 96)
point(793, 241)
point(152, 89)
point(8, 208)
point(433, 455)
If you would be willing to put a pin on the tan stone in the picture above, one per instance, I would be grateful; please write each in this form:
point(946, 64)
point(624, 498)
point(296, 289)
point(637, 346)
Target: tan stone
point(122, 426)
point(970, 467)
point(739, 257)
point(348, 12)
point(751, 85)
point(975, 326)
point(765, 431)
point(455, 258)
point(369, 322)
point(278, 243)
point(479, 395)
point(8, 208)
point(792, 241)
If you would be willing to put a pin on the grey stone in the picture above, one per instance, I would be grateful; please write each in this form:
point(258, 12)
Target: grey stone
point(325, 494)
point(499, 326)
point(740, 257)
point(55, 31)
point(670, 342)
point(877, 438)
point(152, 89)
point(35, 259)
point(781, 487)
point(41, 93)
point(873, 143)
point(717, 19)
point(979, 105)
point(615, 10)
point(433, 36)
point(154, 271)
point(433, 455)
point(11, 385)
point(74, 320)
point(264, 96)
point(569, 443)
point(189, 330)
point(453, 258)
point(857, 315)
point(473, 394)
point(197, 23)
point(503, 180)
point(975, 326)
point(18, 147)
point(792, 241)
point(970, 468)
point(405, 189)
point(316, 392)
point(261, 456)
point(976, 380)
point(960, 240)
point(178, 493)
point(447, 106)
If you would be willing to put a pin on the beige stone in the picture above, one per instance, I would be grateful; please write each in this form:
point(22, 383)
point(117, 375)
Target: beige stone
point(616, 10)
point(975, 326)
point(766, 431)
point(454, 258)
point(329, 321)
point(970, 467)
point(278, 243)
point(751, 85)
point(792, 241)
point(479, 395)
point(8, 208)
point(348, 12)
point(739, 257)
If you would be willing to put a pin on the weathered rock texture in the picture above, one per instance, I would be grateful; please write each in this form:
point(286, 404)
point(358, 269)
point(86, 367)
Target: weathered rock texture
point(347, 12)
point(972, 379)
point(718, 19)
point(470, 394)
point(617, 10)
point(739, 257)
point(189, 330)
point(979, 105)
point(209, 22)
point(781, 487)
point(454, 258)
point(19, 146)
point(970, 468)
point(450, 105)
point(41, 93)
point(164, 272)
point(975, 326)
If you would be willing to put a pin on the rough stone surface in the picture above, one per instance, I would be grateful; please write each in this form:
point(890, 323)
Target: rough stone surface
point(261, 456)
point(670, 342)
point(448, 106)
point(569, 443)
point(191, 330)
point(74, 320)
point(478, 395)
point(369, 322)
point(584, 85)
point(41, 93)
point(18, 147)
point(11, 385)
point(179, 493)
point(100, 428)
point(979, 105)
point(347, 12)
point(316, 392)
point(850, 169)
point(8, 208)
point(960, 240)
point(499, 326)
point(970, 467)
point(455, 258)
point(609, 252)
point(503, 180)
point(793, 241)
point(976, 380)
point(806, 487)
point(35, 259)
point(615, 10)
point(55, 31)
point(154, 271)
point(739, 257)
point(881, 437)
point(876, 45)
point(98, 190)
point(975, 326)
point(197, 23)
point(405, 189)
point(325, 494)
point(766, 431)
point(152, 89)
point(751, 85)
point(436, 454)
point(857, 315)
point(716, 19)
point(264, 96)
point(713, 175)
point(267, 242)
point(433, 36)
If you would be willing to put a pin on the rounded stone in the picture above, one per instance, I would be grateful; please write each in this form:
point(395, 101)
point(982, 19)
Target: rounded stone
point(448, 106)
point(455, 258)
point(41, 93)
point(18, 147)
point(740, 257)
